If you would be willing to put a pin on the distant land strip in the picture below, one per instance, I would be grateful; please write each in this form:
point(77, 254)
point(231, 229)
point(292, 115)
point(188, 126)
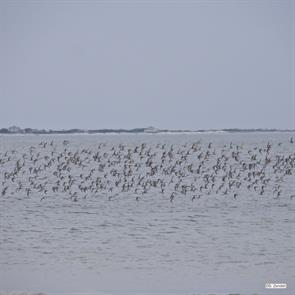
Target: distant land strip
point(18, 130)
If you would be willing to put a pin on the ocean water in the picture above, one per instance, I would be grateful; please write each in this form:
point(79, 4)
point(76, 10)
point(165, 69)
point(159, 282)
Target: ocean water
point(91, 236)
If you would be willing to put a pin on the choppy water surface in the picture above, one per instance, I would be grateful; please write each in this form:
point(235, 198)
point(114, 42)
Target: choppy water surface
point(129, 214)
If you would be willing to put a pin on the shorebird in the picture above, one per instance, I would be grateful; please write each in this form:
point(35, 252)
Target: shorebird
point(146, 169)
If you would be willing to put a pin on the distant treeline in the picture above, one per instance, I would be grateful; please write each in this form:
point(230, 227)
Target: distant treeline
point(68, 131)
point(17, 130)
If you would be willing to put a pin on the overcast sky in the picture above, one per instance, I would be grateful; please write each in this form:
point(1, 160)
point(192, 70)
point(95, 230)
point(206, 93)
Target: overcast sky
point(168, 64)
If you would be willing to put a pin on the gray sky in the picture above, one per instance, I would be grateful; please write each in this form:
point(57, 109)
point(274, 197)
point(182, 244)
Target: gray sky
point(169, 64)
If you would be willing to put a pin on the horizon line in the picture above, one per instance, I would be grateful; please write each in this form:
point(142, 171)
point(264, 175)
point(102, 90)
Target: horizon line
point(18, 130)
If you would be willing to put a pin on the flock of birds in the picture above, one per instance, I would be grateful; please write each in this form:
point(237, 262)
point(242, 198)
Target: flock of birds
point(191, 171)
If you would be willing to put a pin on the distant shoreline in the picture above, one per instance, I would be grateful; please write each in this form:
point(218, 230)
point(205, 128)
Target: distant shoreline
point(150, 130)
